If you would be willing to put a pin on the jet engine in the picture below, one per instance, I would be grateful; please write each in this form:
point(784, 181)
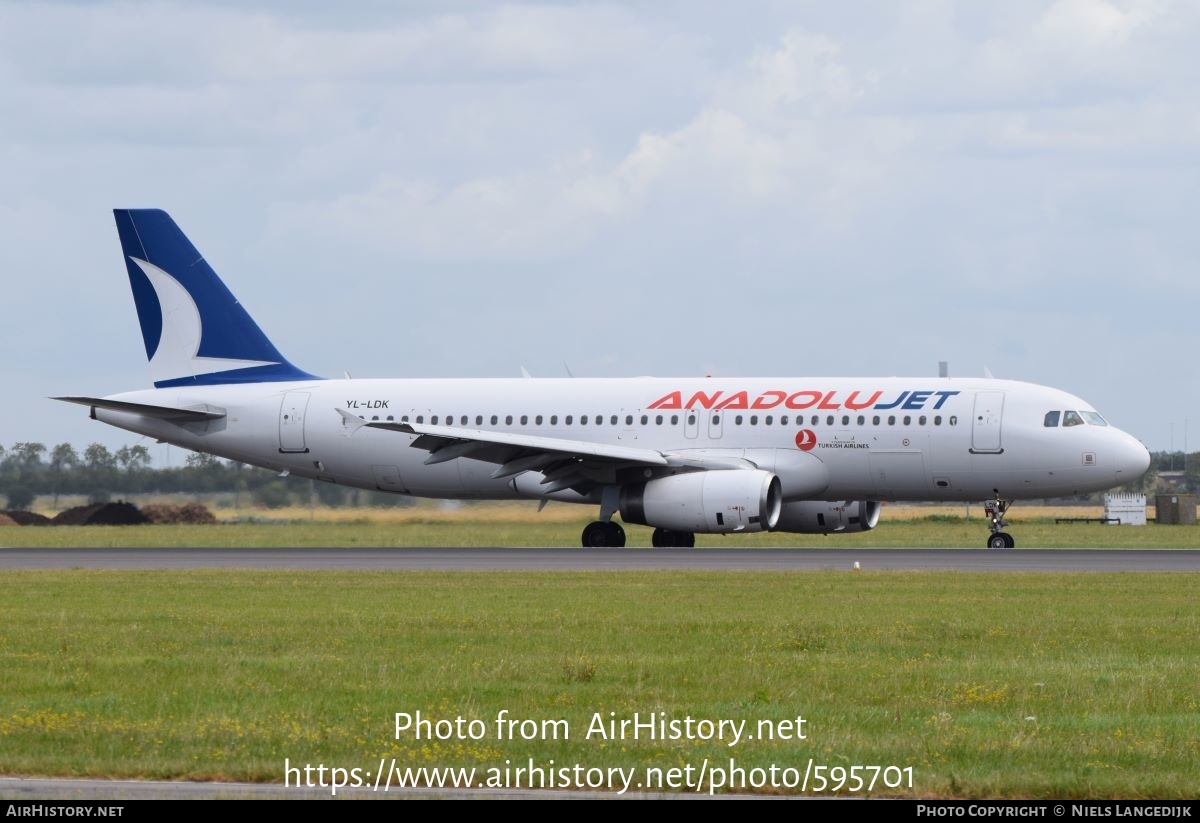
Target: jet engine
point(711, 502)
point(823, 517)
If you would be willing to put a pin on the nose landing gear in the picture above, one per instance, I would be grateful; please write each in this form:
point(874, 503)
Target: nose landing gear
point(995, 509)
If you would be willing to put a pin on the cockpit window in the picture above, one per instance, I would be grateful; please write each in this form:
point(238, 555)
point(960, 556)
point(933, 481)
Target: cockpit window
point(1052, 419)
point(1094, 418)
point(1072, 418)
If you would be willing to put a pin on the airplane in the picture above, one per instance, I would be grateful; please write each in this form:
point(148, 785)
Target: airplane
point(684, 456)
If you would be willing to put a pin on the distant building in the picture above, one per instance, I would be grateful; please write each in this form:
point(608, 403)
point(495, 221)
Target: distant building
point(1172, 480)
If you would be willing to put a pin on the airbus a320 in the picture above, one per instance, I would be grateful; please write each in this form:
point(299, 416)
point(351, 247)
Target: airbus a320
point(684, 456)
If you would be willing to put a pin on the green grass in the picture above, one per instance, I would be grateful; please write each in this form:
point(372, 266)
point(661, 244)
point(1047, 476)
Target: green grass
point(987, 685)
point(942, 533)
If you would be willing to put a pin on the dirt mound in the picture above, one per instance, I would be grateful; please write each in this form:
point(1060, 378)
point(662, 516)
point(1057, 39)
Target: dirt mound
point(5, 520)
point(102, 514)
point(190, 513)
point(27, 518)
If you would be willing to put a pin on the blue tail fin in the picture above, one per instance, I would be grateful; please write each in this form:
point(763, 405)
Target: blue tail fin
point(195, 330)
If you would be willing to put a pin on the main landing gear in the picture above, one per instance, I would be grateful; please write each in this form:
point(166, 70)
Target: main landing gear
point(603, 535)
point(995, 509)
point(667, 539)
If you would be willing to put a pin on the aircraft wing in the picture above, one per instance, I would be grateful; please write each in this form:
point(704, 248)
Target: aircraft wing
point(174, 414)
point(565, 463)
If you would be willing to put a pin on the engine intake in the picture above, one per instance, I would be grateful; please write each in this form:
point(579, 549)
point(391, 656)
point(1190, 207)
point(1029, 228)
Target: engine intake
point(708, 502)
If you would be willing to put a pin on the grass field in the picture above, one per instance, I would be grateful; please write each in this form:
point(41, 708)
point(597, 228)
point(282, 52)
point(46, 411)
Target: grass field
point(996, 685)
point(519, 525)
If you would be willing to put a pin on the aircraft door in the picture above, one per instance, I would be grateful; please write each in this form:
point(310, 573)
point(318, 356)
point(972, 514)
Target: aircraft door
point(291, 422)
point(985, 422)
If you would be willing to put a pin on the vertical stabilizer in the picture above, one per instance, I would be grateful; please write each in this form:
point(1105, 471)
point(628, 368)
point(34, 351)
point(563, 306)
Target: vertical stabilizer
point(195, 330)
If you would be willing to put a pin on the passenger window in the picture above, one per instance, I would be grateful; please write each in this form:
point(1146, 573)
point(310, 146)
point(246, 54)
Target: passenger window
point(921, 420)
point(479, 420)
point(389, 417)
point(691, 419)
point(716, 419)
point(583, 419)
point(433, 420)
point(404, 419)
point(875, 420)
point(538, 420)
point(629, 420)
point(645, 419)
point(953, 421)
point(495, 420)
point(767, 420)
point(829, 420)
point(907, 420)
point(613, 420)
point(1071, 418)
point(568, 419)
point(554, 420)
point(508, 420)
point(754, 420)
point(937, 420)
point(845, 420)
point(524, 419)
point(783, 420)
point(1051, 419)
point(658, 420)
point(674, 420)
point(891, 419)
point(861, 420)
point(737, 420)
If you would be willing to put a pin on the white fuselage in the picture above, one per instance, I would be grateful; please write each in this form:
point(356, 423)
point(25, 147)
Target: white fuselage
point(874, 438)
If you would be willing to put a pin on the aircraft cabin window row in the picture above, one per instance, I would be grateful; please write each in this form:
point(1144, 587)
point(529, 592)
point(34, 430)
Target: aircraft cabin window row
point(1073, 418)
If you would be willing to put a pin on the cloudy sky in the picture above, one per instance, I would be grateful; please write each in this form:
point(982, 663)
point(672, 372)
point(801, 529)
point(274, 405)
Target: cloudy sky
point(669, 188)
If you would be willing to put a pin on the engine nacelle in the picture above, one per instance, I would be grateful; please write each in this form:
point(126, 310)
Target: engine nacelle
point(708, 502)
point(823, 517)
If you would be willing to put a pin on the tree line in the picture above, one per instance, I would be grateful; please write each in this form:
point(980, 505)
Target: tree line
point(29, 470)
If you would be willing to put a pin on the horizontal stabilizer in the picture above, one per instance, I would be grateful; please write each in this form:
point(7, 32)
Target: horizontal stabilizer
point(195, 414)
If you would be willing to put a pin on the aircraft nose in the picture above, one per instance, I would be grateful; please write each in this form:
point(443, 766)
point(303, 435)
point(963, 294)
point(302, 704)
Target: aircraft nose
point(1133, 459)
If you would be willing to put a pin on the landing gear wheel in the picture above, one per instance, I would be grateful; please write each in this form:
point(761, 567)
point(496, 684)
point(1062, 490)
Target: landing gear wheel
point(601, 535)
point(667, 539)
point(1001, 540)
point(995, 510)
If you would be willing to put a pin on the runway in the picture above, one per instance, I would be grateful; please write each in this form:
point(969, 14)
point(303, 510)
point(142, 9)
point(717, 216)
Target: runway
point(498, 559)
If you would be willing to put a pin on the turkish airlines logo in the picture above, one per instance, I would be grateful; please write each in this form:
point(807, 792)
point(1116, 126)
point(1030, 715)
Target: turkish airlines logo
point(806, 439)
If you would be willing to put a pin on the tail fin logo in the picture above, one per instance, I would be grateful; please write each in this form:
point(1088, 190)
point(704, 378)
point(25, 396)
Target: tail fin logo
point(177, 355)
